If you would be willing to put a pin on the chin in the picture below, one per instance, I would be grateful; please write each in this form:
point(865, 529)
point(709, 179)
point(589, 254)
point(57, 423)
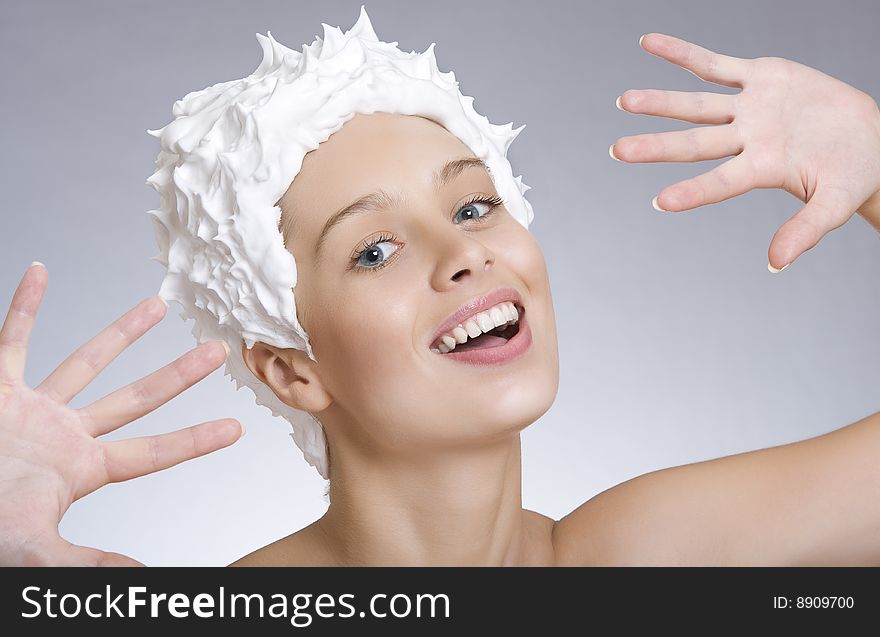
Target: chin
point(521, 403)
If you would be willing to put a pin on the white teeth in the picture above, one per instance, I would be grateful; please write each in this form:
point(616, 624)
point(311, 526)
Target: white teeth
point(498, 316)
point(501, 315)
point(485, 322)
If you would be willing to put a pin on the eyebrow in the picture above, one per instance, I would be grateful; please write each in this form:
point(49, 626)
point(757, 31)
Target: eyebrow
point(381, 200)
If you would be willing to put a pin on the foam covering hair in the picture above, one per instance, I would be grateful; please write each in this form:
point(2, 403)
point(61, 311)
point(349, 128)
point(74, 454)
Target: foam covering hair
point(233, 149)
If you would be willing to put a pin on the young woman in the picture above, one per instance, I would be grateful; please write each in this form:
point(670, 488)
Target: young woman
point(424, 440)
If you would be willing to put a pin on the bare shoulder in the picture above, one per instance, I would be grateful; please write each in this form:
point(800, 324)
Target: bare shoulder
point(603, 529)
point(684, 515)
point(303, 548)
point(724, 511)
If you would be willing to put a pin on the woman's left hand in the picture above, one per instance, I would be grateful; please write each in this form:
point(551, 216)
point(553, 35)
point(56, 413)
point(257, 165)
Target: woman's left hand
point(791, 127)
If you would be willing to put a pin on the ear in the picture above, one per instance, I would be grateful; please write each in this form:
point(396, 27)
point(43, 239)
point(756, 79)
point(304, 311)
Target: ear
point(290, 374)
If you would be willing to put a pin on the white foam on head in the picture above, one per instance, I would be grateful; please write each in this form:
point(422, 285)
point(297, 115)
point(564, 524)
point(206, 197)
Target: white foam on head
point(232, 151)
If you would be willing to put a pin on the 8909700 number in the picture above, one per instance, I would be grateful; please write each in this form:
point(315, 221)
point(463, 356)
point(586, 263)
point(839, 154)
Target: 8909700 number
point(824, 602)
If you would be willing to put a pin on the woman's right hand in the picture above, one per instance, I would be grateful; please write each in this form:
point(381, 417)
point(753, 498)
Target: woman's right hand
point(50, 454)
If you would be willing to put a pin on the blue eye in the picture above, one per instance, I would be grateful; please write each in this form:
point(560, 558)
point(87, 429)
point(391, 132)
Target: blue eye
point(369, 257)
point(470, 208)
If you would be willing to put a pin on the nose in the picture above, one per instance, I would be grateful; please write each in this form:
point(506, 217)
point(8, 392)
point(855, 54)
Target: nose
point(461, 257)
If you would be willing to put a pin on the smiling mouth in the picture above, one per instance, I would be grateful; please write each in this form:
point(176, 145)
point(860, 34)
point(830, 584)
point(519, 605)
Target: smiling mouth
point(496, 337)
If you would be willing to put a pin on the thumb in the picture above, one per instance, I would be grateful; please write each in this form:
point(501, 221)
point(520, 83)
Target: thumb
point(827, 209)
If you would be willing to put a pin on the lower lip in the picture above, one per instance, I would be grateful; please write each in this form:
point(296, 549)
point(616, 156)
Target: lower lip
point(513, 349)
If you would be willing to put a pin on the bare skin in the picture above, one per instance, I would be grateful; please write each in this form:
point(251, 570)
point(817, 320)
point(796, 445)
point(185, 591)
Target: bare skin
point(417, 478)
point(791, 127)
point(311, 546)
point(51, 455)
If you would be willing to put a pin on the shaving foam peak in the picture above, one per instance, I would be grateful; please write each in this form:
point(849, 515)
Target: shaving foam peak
point(233, 149)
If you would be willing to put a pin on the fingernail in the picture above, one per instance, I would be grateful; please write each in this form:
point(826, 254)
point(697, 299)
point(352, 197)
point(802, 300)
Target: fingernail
point(656, 205)
point(164, 301)
point(774, 270)
point(226, 347)
point(641, 38)
point(33, 263)
point(611, 152)
point(243, 430)
point(617, 103)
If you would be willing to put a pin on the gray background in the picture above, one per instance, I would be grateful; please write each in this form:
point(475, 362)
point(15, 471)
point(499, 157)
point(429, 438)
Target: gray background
point(676, 343)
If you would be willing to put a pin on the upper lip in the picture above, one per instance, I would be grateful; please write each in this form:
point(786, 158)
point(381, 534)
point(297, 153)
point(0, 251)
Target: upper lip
point(475, 306)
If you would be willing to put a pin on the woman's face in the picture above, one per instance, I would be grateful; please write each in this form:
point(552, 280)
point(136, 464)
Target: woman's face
point(374, 290)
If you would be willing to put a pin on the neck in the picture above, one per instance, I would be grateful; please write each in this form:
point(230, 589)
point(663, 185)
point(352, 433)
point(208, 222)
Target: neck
point(457, 507)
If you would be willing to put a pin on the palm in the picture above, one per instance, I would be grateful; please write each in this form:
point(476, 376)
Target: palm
point(796, 117)
point(53, 453)
point(791, 127)
point(50, 454)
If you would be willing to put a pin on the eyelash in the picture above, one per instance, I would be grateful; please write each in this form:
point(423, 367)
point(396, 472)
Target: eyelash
point(493, 201)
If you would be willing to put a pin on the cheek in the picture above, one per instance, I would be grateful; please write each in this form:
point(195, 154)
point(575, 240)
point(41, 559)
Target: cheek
point(369, 340)
point(522, 254)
